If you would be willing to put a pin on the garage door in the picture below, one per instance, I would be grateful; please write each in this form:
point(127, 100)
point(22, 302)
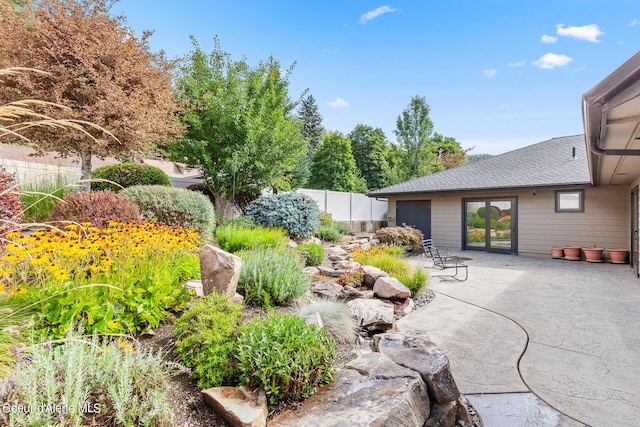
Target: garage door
point(416, 213)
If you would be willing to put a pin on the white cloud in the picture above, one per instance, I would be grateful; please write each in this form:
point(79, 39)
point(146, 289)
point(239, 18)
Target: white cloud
point(548, 39)
point(518, 64)
point(372, 14)
point(490, 73)
point(338, 103)
point(589, 33)
point(634, 23)
point(550, 61)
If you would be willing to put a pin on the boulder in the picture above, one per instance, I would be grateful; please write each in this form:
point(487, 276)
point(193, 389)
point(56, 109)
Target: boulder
point(346, 265)
point(368, 391)
point(328, 289)
point(239, 406)
point(311, 271)
point(300, 240)
point(415, 351)
point(329, 272)
point(390, 287)
point(195, 286)
point(336, 252)
point(237, 299)
point(403, 307)
point(313, 319)
point(442, 414)
point(219, 270)
point(372, 314)
point(292, 243)
point(371, 274)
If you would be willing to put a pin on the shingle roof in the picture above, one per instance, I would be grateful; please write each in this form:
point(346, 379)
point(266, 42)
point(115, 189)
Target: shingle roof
point(546, 164)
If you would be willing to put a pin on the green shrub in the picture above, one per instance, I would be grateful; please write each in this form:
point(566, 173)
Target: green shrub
point(96, 207)
point(39, 197)
point(326, 220)
point(312, 253)
point(175, 207)
point(295, 212)
point(503, 225)
point(415, 282)
point(272, 276)
point(205, 338)
point(15, 321)
point(495, 212)
point(336, 318)
point(122, 384)
point(127, 175)
point(341, 228)
point(400, 236)
point(478, 221)
point(10, 204)
point(241, 221)
point(328, 234)
point(232, 238)
point(285, 357)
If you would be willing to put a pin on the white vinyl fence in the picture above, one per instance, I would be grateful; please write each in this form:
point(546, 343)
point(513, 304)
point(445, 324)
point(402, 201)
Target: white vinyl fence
point(359, 212)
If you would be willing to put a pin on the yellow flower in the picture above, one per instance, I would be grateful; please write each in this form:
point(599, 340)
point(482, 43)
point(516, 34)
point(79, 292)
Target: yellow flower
point(112, 324)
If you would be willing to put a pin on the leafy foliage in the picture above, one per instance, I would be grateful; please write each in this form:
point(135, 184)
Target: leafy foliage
point(341, 228)
point(334, 167)
point(400, 236)
point(415, 281)
point(312, 253)
point(96, 207)
point(369, 148)
point(124, 385)
point(124, 278)
point(128, 175)
point(240, 132)
point(15, 322)
point(285, 357)
point(272, 276)
point(326, 220)
point(295, 212)
point(10, 205)
point(206, 340)
point(175, 207)
point(336, 318)
point(233, 238)
point(98, 68)
point(328, 234)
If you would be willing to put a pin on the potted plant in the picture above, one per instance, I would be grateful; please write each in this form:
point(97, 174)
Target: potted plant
point(557, 253)
point(593, 254)
point(618, 256)
point(572, 253)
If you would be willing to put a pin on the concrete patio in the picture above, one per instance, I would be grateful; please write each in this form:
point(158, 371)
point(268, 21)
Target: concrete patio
point(539, 342)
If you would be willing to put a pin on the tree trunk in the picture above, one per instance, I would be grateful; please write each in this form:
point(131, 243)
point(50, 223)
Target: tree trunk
point(85, 160)
point(221, 204)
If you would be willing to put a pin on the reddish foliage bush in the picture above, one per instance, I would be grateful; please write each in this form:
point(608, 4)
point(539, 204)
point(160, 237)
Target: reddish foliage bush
point(10, 204)
point(400, 236)
point(96, 207)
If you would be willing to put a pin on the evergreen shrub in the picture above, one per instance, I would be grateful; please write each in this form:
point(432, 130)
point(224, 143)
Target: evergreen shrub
point(295, 212)
point(128, 175)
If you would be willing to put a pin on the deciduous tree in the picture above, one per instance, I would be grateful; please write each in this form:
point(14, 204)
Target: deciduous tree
point(97, 67)
point(334, 167)
point(240, 130)
point(369, 148)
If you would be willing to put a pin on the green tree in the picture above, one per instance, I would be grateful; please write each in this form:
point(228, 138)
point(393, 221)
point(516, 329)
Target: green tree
point(413, 132)
point(311, 129)
point(240, 131)
point(471, 158)
point(369, 148)
point(334, 167)
point(449, 151)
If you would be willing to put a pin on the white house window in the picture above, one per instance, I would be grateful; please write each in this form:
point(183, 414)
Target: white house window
point(570, 201)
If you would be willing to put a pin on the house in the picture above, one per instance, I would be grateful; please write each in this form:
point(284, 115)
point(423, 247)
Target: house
point(576, 190)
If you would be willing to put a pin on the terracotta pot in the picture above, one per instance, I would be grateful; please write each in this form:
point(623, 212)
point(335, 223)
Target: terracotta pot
point(618, 256)
point(572, 253)
point(593, 254)
point(557, 253)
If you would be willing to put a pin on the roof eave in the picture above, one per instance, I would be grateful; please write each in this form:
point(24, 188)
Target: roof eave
point(583, 184)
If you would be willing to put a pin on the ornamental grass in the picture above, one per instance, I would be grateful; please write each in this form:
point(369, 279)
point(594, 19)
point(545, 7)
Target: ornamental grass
point(123, 278)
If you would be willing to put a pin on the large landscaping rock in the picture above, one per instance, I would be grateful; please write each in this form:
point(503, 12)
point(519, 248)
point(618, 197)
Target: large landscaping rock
point(369, 391)
point(371, 274)
point(415, 351)
point(372, 314)
point(219, 270)
point(239, 406)
point(390, 287)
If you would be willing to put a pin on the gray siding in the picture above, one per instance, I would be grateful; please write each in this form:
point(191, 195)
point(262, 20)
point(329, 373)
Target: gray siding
point(604, 223)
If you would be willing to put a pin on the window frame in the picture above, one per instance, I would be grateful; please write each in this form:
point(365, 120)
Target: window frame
point(580, 208)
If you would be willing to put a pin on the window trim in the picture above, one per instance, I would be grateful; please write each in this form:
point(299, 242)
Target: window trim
point(580, 208)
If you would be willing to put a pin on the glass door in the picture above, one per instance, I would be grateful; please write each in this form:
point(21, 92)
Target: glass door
point(490, 225)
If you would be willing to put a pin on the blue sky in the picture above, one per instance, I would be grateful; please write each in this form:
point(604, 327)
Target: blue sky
point(497, 74)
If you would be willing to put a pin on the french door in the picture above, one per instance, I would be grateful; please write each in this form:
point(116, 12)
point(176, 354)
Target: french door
point(490, 224)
